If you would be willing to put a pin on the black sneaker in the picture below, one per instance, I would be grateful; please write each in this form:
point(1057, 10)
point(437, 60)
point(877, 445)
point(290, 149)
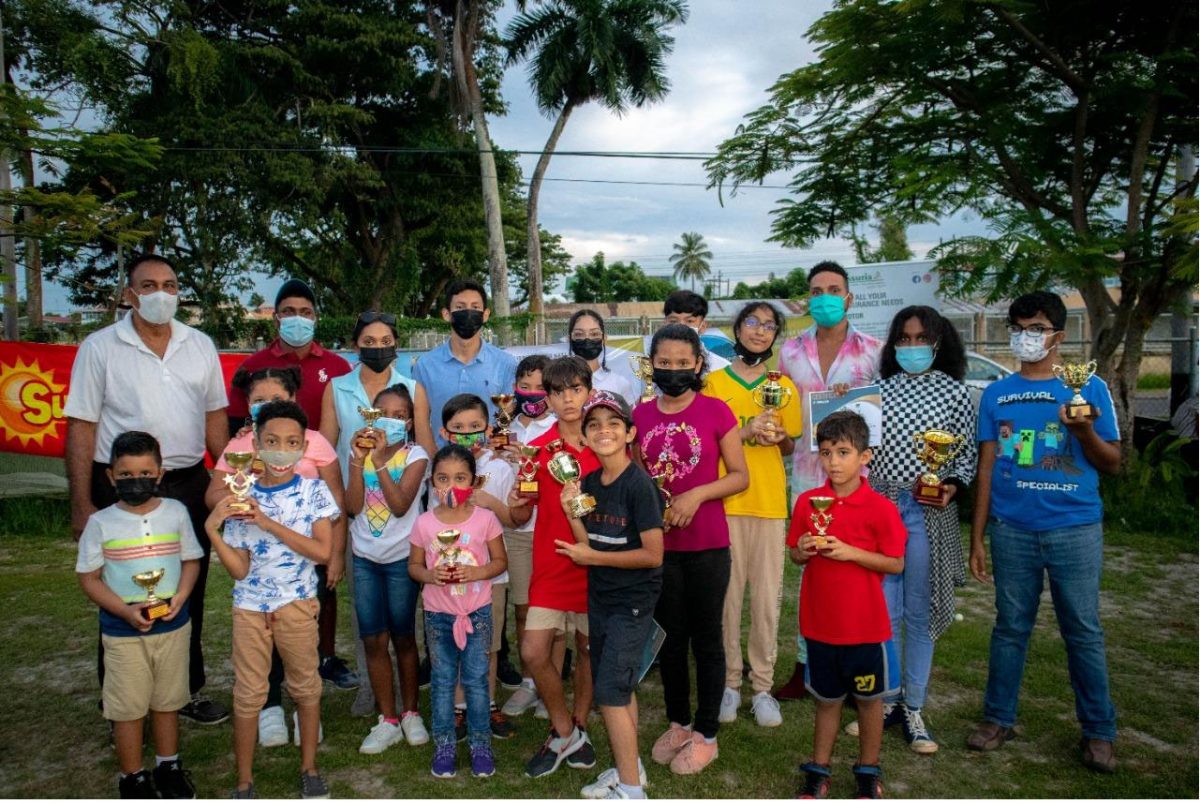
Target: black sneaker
point(816, 781)
point(502, 729)
point(173, 781)
point(335, 671)
point(137, 785)
point(423, 673)
point(248, 792)
point(203, 711)
point(868, 781)
point(312, 785)
point(585, 755)
point(507, 675)
point(460, 724)
point(552, 753)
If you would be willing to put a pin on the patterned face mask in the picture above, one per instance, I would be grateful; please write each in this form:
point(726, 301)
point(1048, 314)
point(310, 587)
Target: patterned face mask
point(474, 440)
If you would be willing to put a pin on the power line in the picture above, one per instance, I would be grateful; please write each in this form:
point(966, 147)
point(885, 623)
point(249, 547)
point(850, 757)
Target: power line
point(693, 156)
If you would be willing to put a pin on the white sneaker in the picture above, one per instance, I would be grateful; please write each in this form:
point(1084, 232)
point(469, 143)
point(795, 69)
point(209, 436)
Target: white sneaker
point(272, 727)
point(730, 702)
point(414, 729)
point(540, 711)
point(296, 730)
point(891, 716)
point(766, 710)
point(381, 737)
point(607, 781)
point(521, 701)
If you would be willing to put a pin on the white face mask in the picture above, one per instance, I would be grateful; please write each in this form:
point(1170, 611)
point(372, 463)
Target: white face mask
point(158, 307)
point(1028, 347)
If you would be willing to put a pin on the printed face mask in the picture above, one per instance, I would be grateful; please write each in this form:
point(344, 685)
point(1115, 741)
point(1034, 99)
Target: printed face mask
point(395, 430)
point(279, 461)
point(158, 307)
point(455, 497)
point(296, 330)
point(255, 408)
point(471, 441)
point(136, 490)
point(587, 348)
point(377, 358)
point(531, 403)
point(1028, 347)
point(466, 323)
point(914, 359)
point(676, 382)
point(827, 310)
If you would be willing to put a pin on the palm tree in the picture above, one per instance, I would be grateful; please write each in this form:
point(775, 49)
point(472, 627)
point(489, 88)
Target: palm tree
point(690, 258)
point(611, 51)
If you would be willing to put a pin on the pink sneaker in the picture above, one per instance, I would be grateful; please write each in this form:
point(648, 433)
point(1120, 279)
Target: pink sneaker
point(695, 756)
point(670, 743)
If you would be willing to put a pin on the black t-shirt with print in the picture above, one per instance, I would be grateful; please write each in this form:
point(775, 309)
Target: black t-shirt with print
point(629, 505)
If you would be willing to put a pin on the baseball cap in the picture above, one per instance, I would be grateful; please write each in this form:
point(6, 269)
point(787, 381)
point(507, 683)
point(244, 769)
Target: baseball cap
point(607, 399)
point(295, 289)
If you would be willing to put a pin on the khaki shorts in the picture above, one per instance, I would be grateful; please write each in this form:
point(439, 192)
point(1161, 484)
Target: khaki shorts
point(499, 590)
point(292, 630)
point(520, 564)
point(145, 673)
point(540, 619)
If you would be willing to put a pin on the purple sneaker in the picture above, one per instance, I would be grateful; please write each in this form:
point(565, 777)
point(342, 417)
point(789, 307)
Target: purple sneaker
point(483, 763)
point(445, 761)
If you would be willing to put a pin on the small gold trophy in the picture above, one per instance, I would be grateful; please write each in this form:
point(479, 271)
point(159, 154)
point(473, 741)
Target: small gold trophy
point(1075, 376)
point(451, 554)
point(153, 608)
point(564, 468)
point(935, 449)
point(821, 518)
point(660, 481)
point(772, 396)
point(643, 369)
point(241, 481)
point(527, 485)
point(502, 436)
point(370, 416)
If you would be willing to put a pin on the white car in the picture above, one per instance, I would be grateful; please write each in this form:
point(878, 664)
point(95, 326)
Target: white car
point(982, 372)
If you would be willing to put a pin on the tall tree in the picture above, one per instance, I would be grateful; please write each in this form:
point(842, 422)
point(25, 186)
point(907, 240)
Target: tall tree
point(690, 258)
point(1058, 124)
point(596, 282)
point(609, 51)
point(893, 243)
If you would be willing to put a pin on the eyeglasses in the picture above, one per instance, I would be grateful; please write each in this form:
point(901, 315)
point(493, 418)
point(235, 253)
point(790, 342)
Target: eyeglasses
point(766, 326)
point(371, 316)
point(1032, 329)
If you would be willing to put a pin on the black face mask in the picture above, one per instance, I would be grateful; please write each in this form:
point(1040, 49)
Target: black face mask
point(136, 490)
point(676, 382)
point(752, 358)
point(588, 348)
point(377, 358)
point(466, 323)
point(532, 405)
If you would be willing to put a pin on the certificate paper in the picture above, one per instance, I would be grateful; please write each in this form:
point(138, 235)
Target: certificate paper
point(864, 401)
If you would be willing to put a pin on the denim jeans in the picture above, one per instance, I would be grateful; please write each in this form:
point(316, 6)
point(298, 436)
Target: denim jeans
point(907, 594)
point(449, 665)
point(385, 597)
point(1020, 559)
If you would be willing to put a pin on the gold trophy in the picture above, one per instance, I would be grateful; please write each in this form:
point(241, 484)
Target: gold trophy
point(772, 396)
point(241, 481)
point(370, 416)
point(527, 484)
point(643, 369)
point(451, 554)
point(564, 468)
point(821, 518)
point(935, 449)
point(153, 608)
point(660, 481)
point(502, 436)
point(1075, 376)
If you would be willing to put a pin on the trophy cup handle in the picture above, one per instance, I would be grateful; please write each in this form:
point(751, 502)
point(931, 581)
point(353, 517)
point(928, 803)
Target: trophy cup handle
point(786, 395)
point(960, 441)
point(1059, 372)
point(918, 440)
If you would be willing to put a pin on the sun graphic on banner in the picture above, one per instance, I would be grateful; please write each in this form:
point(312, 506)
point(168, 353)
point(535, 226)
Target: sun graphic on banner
point(30, 402)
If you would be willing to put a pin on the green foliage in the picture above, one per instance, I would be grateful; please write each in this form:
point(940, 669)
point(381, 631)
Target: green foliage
point(690, 258)
point(1155, 486)
point(596, 283)
point(792, 286)
point(1154, 382)
point(893, 243)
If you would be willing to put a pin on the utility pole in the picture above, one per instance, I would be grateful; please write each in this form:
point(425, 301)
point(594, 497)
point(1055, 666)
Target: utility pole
point(8, 261)
point(1183, 327)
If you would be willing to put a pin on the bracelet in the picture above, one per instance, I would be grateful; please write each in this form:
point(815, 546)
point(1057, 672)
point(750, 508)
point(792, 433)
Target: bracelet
point(358, 465)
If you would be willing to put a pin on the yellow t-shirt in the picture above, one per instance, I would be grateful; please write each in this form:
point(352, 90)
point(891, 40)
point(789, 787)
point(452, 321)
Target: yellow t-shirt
point(766, 496)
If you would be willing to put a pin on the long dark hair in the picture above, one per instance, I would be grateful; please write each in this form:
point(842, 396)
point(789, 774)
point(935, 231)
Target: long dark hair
point(949, 357)
point(589, 313)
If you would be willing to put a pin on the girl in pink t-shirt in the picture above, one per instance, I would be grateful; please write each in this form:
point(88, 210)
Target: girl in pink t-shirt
point(456, 550)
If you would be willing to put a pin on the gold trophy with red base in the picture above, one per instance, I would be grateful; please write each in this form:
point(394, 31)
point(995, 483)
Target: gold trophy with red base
point(502, 436)
point(527, 484)
point(451, 555)
point(821, 518)
point(153, 607)
point(935, 449)
point(1075, 376)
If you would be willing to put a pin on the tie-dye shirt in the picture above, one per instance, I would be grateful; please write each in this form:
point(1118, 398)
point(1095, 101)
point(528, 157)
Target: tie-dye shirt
point(377, 534)
point(857, 363)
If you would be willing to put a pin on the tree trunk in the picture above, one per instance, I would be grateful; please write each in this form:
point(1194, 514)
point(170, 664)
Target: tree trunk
point(33, 253)
point(533, 237)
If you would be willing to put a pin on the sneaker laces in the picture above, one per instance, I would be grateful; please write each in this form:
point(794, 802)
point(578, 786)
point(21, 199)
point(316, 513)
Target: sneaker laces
point(443, 751)
point(915, 724)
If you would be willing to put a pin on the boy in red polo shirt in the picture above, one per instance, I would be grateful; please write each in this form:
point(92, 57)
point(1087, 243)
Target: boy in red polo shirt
point(558, 586)
point(843, 615)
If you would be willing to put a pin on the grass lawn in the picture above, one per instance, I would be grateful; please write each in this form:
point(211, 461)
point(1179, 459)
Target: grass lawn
point(1149, 598)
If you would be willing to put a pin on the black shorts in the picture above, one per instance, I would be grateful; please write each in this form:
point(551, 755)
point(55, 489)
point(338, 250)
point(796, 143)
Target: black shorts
point(616, 641)
point(865, 671)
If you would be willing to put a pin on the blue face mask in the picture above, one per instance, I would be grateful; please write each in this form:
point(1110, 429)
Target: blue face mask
point(255, 407)
point(827, 310)
point(914, 359)
point(296, 330)
point(394, 430)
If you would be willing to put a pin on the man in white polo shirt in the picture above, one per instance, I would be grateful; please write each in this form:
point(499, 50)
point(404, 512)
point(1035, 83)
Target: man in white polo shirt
point(150, 372)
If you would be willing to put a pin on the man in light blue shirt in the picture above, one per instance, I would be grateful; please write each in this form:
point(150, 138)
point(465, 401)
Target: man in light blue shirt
point(465, 364)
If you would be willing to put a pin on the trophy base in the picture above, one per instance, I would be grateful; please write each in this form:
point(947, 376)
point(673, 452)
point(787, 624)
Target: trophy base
point(364, 443)
point(582, 505)
point(157, 609)
point(502, 439)
point(240, 507)
point(1082, 411)
point(928, 492)
point(527, 489)
point(649, 398)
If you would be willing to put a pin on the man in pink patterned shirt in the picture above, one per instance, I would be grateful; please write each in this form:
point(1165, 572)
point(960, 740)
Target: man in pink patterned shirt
point(831, 355)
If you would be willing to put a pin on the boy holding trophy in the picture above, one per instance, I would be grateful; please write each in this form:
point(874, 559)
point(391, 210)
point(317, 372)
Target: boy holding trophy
point(130, 553)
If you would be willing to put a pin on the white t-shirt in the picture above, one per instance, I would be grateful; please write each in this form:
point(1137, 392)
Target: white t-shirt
point(120, 384)
point(500, 477)
point(608, 380)
point(377, 534)
point(526, 433)
point(278, 575)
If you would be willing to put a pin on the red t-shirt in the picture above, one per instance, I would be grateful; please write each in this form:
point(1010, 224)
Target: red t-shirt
point(316, 370)
point(841, 602)
point(557, 582)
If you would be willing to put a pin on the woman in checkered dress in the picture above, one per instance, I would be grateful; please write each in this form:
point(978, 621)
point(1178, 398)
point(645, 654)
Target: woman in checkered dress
point(922, 367)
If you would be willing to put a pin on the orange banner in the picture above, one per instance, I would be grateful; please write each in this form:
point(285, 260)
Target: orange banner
point(35, 379)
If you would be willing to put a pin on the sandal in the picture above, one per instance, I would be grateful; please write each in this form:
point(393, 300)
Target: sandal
point(989, 737)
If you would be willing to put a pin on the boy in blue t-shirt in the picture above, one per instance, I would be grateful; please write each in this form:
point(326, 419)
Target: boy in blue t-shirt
point(1038, 500)
point(145, 649)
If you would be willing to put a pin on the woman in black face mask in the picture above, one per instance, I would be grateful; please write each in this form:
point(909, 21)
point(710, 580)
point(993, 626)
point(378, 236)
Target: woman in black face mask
point(585, 333)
